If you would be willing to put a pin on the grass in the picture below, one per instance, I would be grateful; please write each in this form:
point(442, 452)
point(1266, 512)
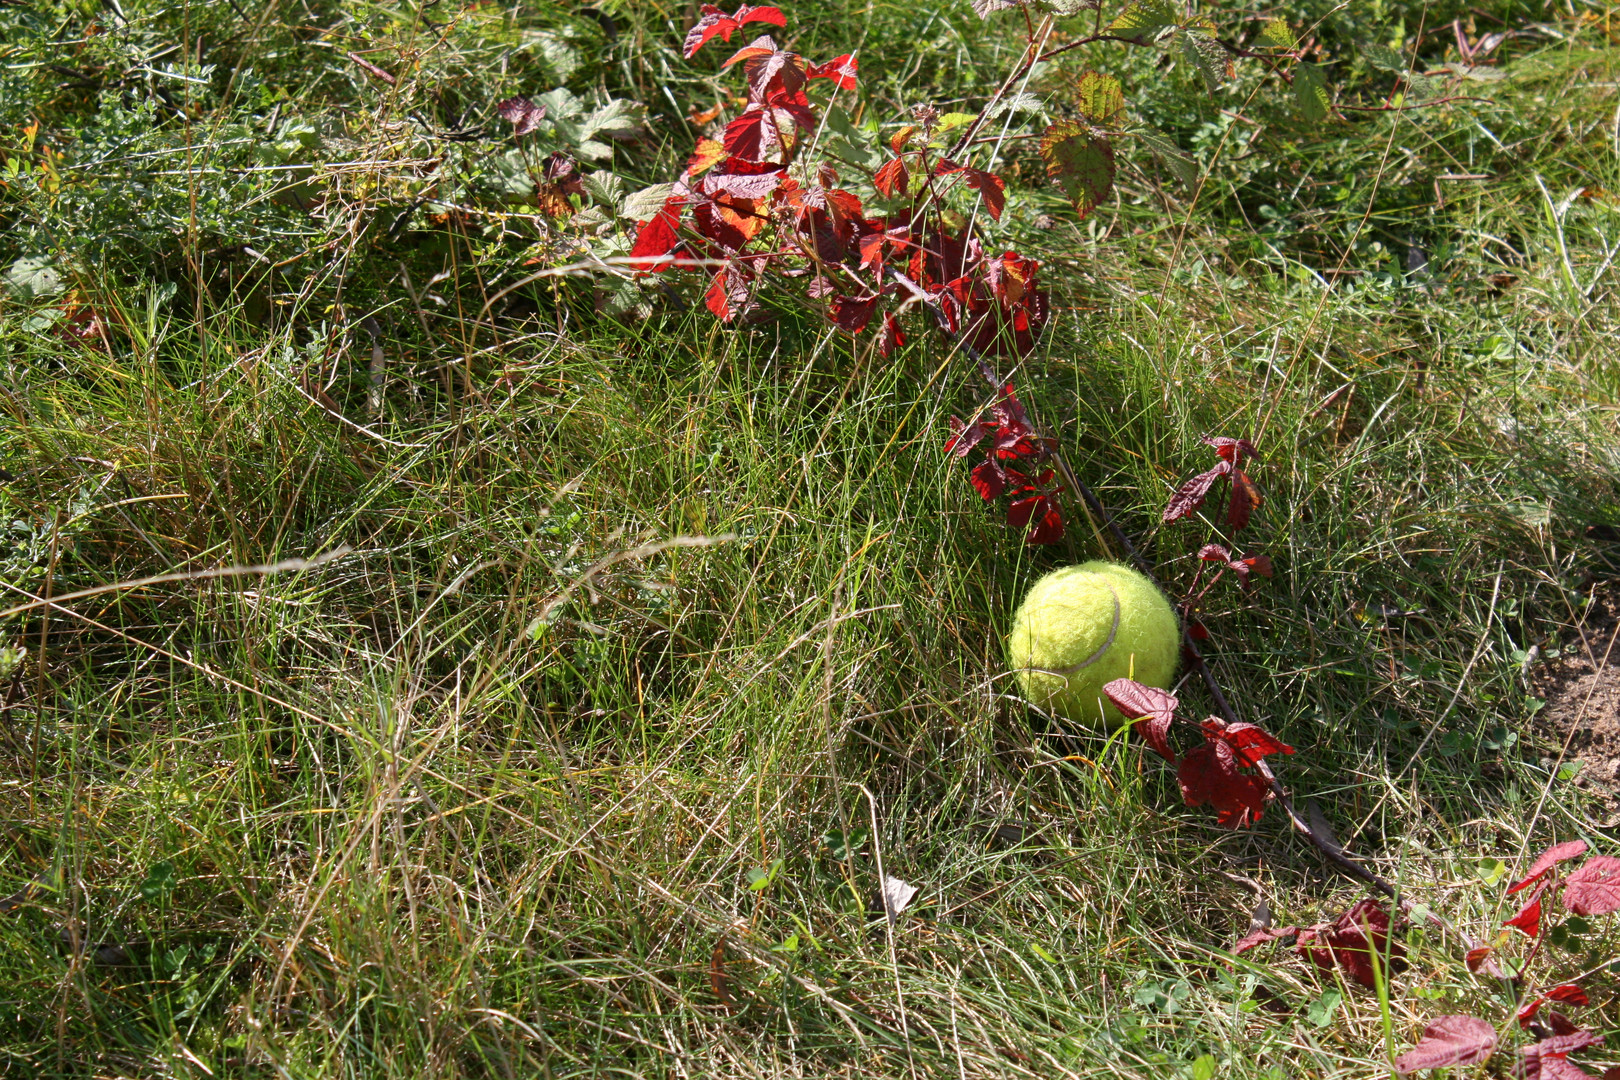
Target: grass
point(648, 644)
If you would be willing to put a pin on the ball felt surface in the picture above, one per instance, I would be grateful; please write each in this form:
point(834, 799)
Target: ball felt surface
point(1084, 626)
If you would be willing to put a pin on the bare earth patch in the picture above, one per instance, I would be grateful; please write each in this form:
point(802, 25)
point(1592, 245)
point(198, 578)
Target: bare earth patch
point(1582, 692)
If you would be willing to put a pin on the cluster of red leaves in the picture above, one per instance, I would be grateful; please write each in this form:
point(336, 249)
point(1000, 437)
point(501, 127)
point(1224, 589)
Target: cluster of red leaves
point(1593, 888)
point(1468, 1040)
point(1357, 942)
point(1013, 466)
point(1245, 494)
point(745, 203)
point(1245, 497)
point(1211, 773)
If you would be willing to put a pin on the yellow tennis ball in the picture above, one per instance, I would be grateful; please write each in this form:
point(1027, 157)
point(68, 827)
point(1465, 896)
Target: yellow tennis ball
point(1084, 626)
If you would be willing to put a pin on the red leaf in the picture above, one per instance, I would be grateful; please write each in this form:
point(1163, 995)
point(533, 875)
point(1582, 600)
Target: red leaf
point(1450, 1040)
point(853, 313)
point(892, 178)
point(1245, 499)
point(840, 70)
point(1209, 775)
point(1546, 1060)
point(1550, 858)
point(964, 438)
point(1594, 889)
point(1232, 451)
point(1197, 630)
point(1528, 920)
point(1258, 564)
point(1476, 958)
point(1249, 742)
point(754, 136)
point(988, 184)
point(1569, 994)
point(1043, 510)
point(523, 114)
point(892, 338)
point(1527, 1011)
point(1351, 941)
point(745, 180)
point(989, 479)
point(658, 238)
point(729, 294)
point(1191, 495)
point(1152, 710)
point(716, 23)
point(1260, 937)
point(1214, 553)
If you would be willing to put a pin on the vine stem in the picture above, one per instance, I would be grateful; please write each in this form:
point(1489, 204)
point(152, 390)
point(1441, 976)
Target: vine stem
point(1096, 511)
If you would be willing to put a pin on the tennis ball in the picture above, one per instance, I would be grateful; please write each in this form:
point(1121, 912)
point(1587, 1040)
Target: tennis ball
point(1084, 626)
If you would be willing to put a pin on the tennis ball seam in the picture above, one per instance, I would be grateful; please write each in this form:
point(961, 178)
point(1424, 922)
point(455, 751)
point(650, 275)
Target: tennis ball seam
point(1102, 650)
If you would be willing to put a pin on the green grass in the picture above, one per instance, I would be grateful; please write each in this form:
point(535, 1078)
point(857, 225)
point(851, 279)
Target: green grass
point(629, 606)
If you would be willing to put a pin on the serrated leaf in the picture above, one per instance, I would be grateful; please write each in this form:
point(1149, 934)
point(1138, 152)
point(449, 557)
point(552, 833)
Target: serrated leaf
point(1311, 93)
point(1099, 97)
point(1179, 162)
point(1276, 32)
point(1066, 8)
point(1384, 58)
point(1081, 161)
point(642, 205)
point(1208, 56)
point(1144, 19)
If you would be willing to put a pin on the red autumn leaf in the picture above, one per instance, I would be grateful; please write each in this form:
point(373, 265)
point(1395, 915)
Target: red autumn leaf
point(1191, 495)
point(1569, 994)
point(989, 479)
point(1260, 937)
point(716, 23)
point(1528, 920)
point(1197, 630)
point(1447, 1041)
point(1210, 775)
point(841, 70)
point(1560, 1024)
point(853, 313)
point(1232, 451)
point(1527, 1011)
point(1043, 511)
point(658, 238)
point(1249, 742)
point(755, 135)
point(964, 437)
point(1594, 888)
point(1547, 1059)
point(745, 180)
point(1257, 564)
point(523, 114)
point(1152, 709)
point(893, 336)
point(1214, 553)
point(1245, 499)
point(1552, 1068)
point(1351, 941)
point(761, 47)
point(1475, 958)
point(729, 294)
point(991, 187)
point(891, 178)
point(1548, 859)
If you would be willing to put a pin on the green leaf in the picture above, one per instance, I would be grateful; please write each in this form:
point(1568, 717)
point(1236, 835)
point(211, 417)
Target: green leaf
point(1203, 1067)
point(760, 880)
point(1311, 93)
point(1081, 161)
point(1143, 20)
point(1099, 97)
point(32, 277)
point(841, 845)
point(1276, 32)
point(1320, 1012)
point(1384, 58)
point(1179, 162)
point(1208, 56)
point(159, 881)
